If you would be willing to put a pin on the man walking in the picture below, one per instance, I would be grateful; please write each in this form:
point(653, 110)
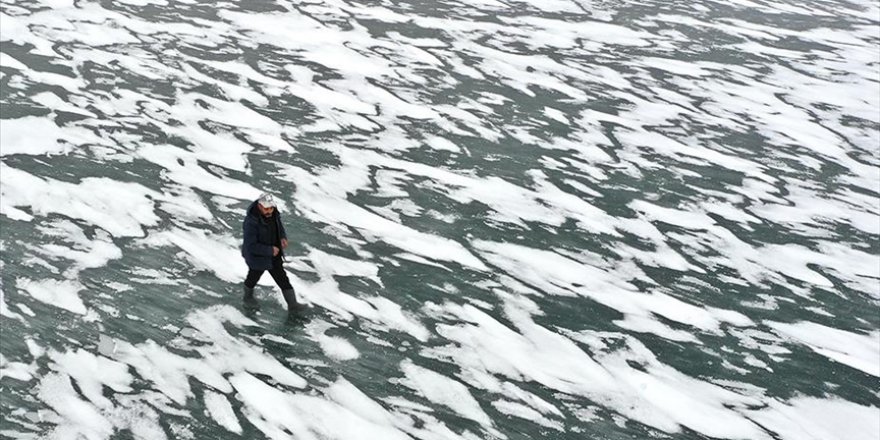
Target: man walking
point(264, 242)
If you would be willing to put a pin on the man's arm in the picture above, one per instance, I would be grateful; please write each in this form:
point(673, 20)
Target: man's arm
point(281, 226)
point(283, 232)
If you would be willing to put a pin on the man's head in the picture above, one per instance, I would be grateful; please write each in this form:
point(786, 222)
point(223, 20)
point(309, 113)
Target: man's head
point(266, 204)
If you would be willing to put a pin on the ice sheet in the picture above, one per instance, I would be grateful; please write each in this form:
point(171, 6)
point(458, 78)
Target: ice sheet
point(857, 350)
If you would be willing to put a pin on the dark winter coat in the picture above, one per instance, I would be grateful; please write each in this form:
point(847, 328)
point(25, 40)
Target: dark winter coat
point(259, 237)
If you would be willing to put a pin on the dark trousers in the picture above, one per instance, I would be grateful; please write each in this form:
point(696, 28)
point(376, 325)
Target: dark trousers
point(277, 272)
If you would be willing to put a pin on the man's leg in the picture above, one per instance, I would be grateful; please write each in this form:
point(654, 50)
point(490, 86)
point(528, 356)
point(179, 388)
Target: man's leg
point(280, 277)
point(249, 283)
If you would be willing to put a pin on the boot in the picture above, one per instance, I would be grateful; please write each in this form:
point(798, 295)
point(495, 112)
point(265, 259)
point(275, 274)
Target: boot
point(290, 297)
point(250, 301)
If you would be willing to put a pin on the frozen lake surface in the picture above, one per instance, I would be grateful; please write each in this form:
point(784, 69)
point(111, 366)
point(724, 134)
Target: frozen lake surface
point(560, 219)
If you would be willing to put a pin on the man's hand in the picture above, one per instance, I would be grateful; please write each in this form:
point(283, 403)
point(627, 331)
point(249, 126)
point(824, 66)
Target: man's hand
point(283, 243)
point(275, 251)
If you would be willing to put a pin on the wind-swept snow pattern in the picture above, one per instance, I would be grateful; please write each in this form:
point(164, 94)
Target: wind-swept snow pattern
point(512, 219)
